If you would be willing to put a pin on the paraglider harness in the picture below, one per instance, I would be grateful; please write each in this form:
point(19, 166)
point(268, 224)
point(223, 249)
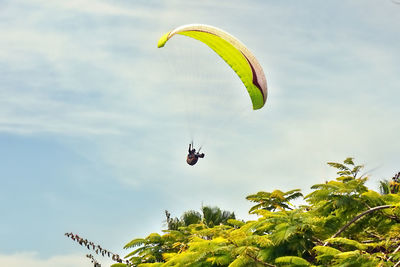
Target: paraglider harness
point(193, 156)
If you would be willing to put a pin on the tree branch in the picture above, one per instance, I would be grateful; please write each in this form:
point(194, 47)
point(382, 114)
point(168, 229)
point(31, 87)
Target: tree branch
point(397, 249)
point(251, 256)
point(259, 261)
point(358, 217)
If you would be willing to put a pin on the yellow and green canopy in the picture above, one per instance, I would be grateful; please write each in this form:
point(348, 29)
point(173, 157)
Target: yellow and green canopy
point(233, 52)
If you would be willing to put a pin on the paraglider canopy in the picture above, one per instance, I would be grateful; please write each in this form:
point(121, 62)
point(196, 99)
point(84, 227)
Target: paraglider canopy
point(233, 52)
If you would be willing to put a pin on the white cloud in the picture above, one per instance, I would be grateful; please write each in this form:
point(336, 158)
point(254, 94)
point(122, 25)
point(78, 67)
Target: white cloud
point(32, 259)
point(71, 82)
point(95, 7)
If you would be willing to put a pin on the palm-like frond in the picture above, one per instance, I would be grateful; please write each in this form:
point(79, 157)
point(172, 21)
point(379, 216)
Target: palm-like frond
point(291, 261)
point(191, 217)
point(276, 200)
point(135, 242)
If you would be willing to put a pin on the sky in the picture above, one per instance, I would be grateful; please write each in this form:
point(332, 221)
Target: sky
point(95, 120)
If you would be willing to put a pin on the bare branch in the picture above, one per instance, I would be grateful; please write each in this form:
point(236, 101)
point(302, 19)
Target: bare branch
point(96, 248)
point(93, 260)
point(358, 217)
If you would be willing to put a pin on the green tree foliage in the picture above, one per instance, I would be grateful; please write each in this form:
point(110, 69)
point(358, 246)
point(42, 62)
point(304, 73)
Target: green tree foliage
point(274, 200)
point(341, 223)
